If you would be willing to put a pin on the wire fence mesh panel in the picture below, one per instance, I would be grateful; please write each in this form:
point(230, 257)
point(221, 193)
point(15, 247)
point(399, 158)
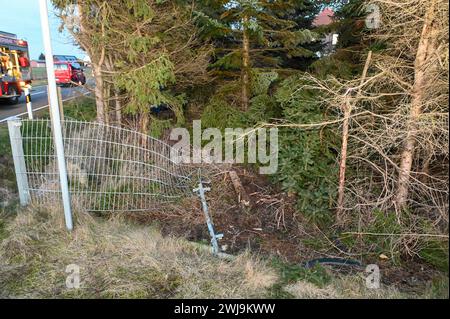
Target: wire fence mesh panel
point(109, 168)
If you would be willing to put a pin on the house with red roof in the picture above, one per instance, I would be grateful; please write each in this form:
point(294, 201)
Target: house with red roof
point(324, 18)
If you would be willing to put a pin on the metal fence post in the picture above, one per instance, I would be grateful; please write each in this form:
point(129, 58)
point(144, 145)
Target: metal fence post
point(15, 137)
point(200, 190)
point(55, 115)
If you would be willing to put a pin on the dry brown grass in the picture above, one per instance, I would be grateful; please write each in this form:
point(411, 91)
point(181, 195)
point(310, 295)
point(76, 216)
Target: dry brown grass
point(348, 287)
point(353, 287)
point(118, 259)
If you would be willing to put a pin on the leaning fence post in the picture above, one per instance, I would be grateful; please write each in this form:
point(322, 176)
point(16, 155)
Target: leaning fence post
point(55, 116)
point(200, 190)
point(15, 137)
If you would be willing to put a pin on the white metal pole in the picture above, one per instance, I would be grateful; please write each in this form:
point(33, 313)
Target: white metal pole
point(29, 105)
point(54, 110)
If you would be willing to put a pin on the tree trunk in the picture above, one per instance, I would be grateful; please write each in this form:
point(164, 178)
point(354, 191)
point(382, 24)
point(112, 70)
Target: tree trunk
point(347, 108)
point(117, 107)
point(114, 104)
point(106, 104)
point(143, 127)
point(99, 94)
point(245, 65)
point(98, 58)
point(424, 51)
point(343, 161)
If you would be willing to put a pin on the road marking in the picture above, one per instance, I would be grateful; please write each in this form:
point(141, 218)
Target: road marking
point(36, 93)
point(42, 107)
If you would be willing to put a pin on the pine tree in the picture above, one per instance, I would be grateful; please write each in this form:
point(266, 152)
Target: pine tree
point(144, 53)
point(255, 34)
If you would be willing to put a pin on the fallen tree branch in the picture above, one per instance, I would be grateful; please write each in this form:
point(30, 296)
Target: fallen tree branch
point(242, 195)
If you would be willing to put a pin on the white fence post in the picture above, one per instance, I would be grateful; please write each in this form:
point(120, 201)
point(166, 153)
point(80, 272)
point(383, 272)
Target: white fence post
point(15, 137)
point(55, 116)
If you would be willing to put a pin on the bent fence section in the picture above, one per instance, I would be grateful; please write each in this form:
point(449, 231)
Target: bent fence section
point(109, 168)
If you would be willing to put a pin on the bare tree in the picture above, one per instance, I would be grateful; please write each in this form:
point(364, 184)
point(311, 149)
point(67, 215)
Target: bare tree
point(395, 128)
point(347, 110)
point(82, 28)
point(426, 50)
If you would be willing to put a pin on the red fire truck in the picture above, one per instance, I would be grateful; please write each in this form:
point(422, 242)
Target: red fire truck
point(15, 70)
point(69, 73)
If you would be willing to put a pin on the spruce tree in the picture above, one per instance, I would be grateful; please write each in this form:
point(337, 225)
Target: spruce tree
point(144, 53)
point(255, 34)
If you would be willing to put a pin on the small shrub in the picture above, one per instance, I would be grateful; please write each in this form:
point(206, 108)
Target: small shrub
point(307, 158)
point(82, 109)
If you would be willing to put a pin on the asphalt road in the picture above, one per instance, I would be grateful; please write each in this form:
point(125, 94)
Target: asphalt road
point(39, 101)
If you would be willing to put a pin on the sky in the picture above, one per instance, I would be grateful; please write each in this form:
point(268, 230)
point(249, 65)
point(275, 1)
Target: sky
point(22, 18)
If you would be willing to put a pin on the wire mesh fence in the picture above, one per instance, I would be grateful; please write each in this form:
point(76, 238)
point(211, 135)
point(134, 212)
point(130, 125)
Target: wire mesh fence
point(109, 168)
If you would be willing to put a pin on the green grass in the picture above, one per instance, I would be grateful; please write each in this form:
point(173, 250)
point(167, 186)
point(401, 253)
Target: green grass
point(432, 250)
point(5, 146)
point(7, 175)
point(81, 109)
point(438, 288)
point(436, 253)
point(291, 273)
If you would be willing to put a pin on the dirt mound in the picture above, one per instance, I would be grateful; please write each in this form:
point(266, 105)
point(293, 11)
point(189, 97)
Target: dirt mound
point(269, 225)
